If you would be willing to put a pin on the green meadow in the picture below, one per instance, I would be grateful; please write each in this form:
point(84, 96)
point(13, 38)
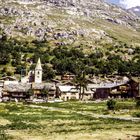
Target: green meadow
point(72, 120)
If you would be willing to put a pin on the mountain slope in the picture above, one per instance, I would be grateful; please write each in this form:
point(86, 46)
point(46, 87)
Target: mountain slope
point(68, 36)
point(68, 22)
point(135, 10)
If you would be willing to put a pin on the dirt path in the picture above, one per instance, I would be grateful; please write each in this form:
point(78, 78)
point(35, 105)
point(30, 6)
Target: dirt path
point(110, 117)
point(86, 113)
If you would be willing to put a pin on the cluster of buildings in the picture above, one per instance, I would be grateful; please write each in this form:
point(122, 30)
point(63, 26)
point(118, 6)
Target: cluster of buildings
point(32, 87)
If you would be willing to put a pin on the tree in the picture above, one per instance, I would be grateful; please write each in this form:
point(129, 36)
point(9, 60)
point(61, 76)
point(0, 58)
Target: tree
point(30, 93)
point(81, 82)
point(48, 73)
point(44, 92)
point(4, 58)
point(122, 68)
point(7, 71)
point(111, 104)
point(75, 53)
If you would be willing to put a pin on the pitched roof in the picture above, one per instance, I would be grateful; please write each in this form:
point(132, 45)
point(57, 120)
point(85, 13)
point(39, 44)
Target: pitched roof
point(67, 88)
point(49, 86)
point(8, 78)
point(107, 85)
point(17, 87)
point(38, 65)
point(24, 87)
point(136, 79)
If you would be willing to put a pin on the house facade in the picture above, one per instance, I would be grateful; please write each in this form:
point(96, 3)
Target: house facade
point(44, 90)
point(67, 92)
point(29, 90)
point(71, 92)
point(113, 90)
point(18, 91)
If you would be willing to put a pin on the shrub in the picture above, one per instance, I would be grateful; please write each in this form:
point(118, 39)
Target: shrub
point(111, 104)
point(138, 103)
point(13, 107)
point(136, 114)
point(21, 125)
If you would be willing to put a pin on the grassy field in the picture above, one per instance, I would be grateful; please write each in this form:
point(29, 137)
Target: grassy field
point(67, 121)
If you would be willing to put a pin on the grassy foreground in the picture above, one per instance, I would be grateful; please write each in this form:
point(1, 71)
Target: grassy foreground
point(67, 121)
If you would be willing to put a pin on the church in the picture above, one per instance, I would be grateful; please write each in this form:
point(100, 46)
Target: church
point(34, 76)
point(32, 81)
point(38, 72)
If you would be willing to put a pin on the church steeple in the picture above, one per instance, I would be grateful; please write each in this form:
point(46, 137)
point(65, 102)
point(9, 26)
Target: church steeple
point(38, 72)
point(38, 65)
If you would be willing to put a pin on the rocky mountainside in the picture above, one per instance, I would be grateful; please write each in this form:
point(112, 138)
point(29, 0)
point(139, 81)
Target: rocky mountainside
point(34, 17)
point(135, 10)
point(68, 22)
point(68, 36)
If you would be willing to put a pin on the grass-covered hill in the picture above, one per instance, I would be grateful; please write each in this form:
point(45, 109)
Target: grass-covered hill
point(69, 36)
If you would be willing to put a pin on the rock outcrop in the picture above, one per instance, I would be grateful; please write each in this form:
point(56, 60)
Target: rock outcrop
point(62, 21)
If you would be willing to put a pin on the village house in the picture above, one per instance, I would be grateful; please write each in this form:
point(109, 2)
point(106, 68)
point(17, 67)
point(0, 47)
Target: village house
point(50, 90)
point(9, 80)
point(67, 77)
point(1, 88)
point(18, 91)
point(67, 92)
point(22, 91)
point(4, 81)
point(111, 90)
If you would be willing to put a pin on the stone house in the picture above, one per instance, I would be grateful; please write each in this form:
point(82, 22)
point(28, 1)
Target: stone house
point(67, 92)
point(18, 91)
point(112, 90)
point(9, 80)
point(50, 90)
point(21, 91)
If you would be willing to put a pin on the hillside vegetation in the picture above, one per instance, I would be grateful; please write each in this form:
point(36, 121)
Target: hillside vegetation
point(68, 36)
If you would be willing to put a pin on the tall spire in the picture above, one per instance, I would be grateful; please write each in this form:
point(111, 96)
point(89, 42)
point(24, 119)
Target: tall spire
point(38, 65)
point(38, 72)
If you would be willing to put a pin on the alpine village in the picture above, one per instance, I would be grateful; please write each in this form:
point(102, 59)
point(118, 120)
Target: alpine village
point(69, 70)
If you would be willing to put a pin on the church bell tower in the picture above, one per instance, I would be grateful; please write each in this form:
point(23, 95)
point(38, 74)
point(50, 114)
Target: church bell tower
point(38, 72)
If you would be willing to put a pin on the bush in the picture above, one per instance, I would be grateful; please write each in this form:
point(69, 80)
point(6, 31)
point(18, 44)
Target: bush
point(136, 114)
point(13, 107)
point(138, 103)
point(111, 104)
point(19, 125)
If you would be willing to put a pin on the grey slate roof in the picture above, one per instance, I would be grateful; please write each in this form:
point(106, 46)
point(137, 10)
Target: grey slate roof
point(44, 85)
point(24, 87)
point(17, 87)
